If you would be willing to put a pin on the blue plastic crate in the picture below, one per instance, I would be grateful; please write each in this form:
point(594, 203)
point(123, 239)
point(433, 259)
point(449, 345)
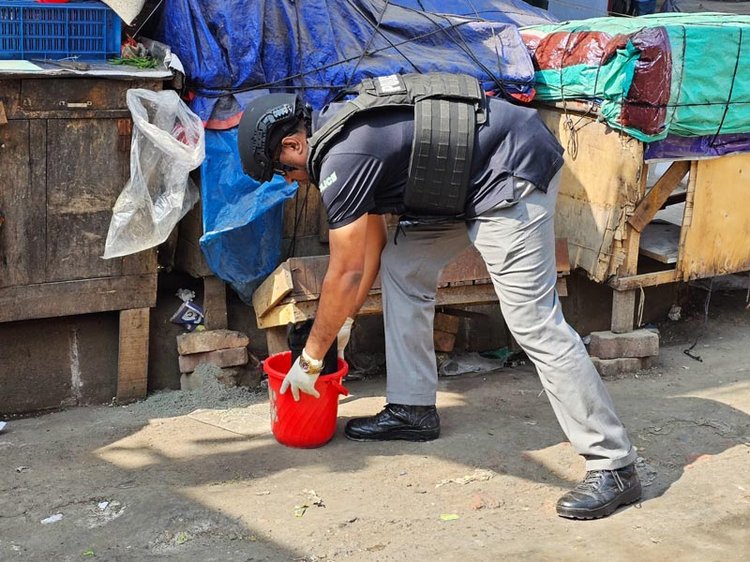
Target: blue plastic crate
point(88, 30)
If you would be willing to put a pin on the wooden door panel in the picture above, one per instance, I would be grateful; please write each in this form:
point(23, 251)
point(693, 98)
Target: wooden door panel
point(86, 171)
point(22, 202)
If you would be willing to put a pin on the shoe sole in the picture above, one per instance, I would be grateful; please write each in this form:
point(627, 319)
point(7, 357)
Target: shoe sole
point(399, 435)
point(629, 497)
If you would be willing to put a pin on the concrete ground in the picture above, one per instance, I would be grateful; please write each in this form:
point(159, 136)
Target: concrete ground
point(198, 475)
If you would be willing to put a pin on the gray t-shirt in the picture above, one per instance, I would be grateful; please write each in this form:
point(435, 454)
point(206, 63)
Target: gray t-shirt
point(366, 169)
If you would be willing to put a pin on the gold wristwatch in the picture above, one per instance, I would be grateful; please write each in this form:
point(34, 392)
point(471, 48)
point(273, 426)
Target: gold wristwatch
point(309, 365)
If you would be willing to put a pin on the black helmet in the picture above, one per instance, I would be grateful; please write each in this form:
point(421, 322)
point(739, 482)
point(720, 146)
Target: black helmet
point(264, 123)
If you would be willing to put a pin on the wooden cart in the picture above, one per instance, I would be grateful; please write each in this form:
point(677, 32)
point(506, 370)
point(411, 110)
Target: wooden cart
point(606, 211)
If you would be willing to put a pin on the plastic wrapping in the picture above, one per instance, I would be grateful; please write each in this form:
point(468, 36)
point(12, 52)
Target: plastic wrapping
point(650, 74)
point(242, 219)
point(318, 46)
point(167, 143)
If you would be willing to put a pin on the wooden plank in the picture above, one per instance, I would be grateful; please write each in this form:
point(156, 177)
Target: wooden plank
point(140, 262)
point(10, 93)
point(22, 202)
point(562, 258)
point(623, 311)
point(282, 314)
point(41, 95)
point(307, 275)
point(83, 296)
point(276, 341)
point(644, 280)
point(85, 175)
point(275, 287)
point(189, 256)
point(658, 195)
point(3, 115)
point(718, 229)
point(132, 358)
point(660, 242)
point(215, 303)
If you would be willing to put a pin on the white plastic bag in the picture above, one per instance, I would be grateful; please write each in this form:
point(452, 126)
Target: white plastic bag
point(168, 142)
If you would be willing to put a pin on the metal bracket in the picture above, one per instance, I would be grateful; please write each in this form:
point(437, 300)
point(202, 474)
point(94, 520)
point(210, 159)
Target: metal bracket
point(75, 105)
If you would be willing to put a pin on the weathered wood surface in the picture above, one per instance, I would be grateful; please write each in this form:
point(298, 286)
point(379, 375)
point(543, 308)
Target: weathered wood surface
point(275, 287)
point(60, 174)
point(215, 303)
point(600, 186)
point(80, 296)
point(283, 314)
point(85, 176)
point(132, 360)
point(716, 227)
point(189, 256)
point(22, 198)
point(45, 98)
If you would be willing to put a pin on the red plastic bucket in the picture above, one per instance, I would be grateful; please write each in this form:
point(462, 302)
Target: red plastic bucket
point(311, 422)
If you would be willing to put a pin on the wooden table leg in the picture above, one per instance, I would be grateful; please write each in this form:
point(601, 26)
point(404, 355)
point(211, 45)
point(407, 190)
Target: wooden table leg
point(132, 360)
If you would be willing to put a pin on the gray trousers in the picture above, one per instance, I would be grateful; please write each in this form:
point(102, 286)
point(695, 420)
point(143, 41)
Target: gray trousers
point(518, 245)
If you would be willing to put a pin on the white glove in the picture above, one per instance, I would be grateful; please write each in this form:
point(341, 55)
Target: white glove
point(342, 340)
point(298, 379)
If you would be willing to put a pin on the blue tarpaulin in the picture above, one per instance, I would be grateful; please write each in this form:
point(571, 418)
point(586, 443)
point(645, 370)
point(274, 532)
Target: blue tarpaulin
point(235, 50)
point(242, 219)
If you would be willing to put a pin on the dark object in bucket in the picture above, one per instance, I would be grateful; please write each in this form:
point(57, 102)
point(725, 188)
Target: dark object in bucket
point(296, 338)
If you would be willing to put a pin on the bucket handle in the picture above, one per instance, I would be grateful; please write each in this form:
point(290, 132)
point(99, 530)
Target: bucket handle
point(340, 388)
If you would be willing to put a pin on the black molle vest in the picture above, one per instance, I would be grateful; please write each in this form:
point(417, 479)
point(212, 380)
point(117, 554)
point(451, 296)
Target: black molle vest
point(447, 109)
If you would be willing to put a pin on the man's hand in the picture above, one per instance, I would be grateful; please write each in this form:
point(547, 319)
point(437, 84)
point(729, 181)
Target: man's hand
point(342, 340)
point(299, 379)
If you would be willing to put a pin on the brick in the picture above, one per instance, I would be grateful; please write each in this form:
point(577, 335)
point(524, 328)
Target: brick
point(621, 366)
point(210, 340)
point(638, 343)
point(221, 358)
point(446, 323)
point(444, 341)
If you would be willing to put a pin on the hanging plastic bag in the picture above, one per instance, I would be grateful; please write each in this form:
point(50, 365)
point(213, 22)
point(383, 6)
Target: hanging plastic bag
point(168, 142)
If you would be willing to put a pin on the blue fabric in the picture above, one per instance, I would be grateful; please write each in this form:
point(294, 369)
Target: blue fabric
point(242, 219)
point(227, 45)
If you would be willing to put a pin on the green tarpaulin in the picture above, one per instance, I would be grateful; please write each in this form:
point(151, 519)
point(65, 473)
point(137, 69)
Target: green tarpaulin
point(679, 74)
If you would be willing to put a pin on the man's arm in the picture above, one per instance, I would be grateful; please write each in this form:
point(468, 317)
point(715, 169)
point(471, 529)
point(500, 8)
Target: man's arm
point(341, 286)
point(376, 238)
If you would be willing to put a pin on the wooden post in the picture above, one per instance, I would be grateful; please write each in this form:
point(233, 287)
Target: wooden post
point(215, 303)
point(132, 361)
point(276, 339)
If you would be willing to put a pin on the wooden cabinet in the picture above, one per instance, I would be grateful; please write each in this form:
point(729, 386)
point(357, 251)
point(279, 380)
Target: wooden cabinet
point(64, 158)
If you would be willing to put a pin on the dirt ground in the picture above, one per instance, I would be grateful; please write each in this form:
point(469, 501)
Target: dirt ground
point(198, 475)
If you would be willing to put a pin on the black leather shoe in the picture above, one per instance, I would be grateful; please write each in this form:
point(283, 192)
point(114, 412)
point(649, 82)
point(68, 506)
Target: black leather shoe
point(601, 493)
point(396, 421)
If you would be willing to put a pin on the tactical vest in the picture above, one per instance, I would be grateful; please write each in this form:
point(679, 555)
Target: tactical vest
point(447, 110)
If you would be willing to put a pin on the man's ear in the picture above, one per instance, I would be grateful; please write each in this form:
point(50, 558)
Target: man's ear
point(295, 142)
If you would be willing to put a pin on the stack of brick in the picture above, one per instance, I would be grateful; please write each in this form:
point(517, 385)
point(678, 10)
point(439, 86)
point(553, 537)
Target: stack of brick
point(444, 332)
point(615, 354)
point(222, 348)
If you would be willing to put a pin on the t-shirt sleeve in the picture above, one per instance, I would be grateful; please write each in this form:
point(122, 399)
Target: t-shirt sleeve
point(347, 186)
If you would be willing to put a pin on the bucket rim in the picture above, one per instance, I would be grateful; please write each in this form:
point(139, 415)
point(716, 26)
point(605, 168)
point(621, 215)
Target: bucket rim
point(340, 373)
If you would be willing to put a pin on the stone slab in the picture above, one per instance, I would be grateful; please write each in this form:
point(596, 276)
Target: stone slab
point(210, 340)
point(638, 343)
